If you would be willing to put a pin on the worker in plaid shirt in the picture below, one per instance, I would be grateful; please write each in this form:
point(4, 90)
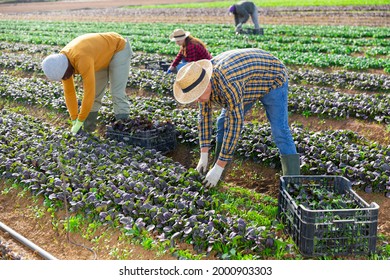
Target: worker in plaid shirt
point(236, 80)
point(191, 49)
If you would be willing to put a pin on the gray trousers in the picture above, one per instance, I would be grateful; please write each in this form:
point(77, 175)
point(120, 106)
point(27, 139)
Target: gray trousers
point(117, 74)
point(255, 19)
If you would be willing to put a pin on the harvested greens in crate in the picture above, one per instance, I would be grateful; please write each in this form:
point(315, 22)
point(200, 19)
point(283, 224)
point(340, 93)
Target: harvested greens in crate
point(141, 131)
point(325, 216)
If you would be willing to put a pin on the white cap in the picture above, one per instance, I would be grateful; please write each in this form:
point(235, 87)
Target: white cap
point(55, 66)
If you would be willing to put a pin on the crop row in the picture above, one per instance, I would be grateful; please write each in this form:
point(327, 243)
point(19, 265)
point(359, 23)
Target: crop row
point(328, 152)
point(292, 47)
point(21, 55)
point(312, 100)
point(31, 56)
point(333, 104)
point(323, 101)
point(27, 57)
point(342, 79)
point(302, 99)
point(316, 33)
point(128, 186)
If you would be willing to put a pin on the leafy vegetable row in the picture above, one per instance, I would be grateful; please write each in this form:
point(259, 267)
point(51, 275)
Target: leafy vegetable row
point(302, 99)
point(293, 47)
point(331, 103)
point(343, 79)
point(320, 101)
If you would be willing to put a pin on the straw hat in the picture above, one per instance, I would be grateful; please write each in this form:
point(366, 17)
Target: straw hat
point(179, 34)
point(54, 66)
point(192, 80)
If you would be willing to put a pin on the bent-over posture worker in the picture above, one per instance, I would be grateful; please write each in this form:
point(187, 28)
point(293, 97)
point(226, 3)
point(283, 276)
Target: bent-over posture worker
point(242, 11)
point(99, 58)
point(236, 80)
point(191, 49)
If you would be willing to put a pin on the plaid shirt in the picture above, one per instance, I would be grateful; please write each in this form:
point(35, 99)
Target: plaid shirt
point(239, 77)
point(195, 52)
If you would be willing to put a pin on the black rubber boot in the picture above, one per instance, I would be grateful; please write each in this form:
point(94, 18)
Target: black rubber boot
point(290, 164)
point(90, 122)
point(218, 148)
point(121, 116)
point(259, 31)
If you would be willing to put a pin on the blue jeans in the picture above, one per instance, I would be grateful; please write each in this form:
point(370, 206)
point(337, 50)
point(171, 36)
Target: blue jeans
point(275, 105)
point(181, 64)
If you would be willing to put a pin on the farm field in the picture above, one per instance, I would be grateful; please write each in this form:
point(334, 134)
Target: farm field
point(128, 203)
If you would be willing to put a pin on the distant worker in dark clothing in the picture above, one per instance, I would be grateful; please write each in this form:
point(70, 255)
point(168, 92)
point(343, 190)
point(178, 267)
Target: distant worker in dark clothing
point(242, 11)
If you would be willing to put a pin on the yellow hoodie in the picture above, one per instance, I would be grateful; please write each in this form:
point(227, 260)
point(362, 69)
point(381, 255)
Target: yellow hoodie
point(88, 54)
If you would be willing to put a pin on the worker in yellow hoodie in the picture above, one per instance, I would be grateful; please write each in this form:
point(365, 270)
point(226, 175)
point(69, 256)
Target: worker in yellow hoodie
point(98, 58)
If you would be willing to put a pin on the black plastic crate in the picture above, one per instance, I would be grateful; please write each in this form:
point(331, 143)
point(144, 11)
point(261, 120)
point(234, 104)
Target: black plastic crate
point(333, 232)
point(157, 65)
point(251, 31)
point(162, 139)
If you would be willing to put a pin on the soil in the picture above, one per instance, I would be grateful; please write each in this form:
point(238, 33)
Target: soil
point(111, 11)
point(17, 210)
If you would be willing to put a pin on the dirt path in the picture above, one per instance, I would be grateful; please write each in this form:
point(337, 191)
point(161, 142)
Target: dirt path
point(80, 4)
point(111, 11)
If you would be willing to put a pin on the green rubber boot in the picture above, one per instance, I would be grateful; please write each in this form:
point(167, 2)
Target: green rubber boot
point(290, 164)
point(90, 122)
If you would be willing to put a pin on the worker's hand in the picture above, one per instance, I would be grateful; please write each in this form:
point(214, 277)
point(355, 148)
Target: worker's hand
point(76, 127)
point(170, 69)
point(239, 29)
point(74, 122)
point(213, 176)
point(203, 161)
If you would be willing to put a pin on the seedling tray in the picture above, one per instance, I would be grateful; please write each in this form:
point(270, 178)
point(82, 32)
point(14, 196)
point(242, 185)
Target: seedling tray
point(157, 65)
point(162, 139)
point(329, 232)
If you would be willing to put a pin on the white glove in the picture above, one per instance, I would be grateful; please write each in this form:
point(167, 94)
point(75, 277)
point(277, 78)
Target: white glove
point(203, 161)
point(213, 176)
